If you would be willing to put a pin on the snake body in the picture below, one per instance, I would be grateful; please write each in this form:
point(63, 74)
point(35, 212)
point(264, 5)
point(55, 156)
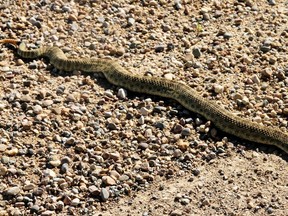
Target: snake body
point(180, 92)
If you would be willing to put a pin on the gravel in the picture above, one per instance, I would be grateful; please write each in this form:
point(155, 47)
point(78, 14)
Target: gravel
point(70, 141)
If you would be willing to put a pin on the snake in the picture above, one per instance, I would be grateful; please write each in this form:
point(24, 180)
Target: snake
point(183, 93)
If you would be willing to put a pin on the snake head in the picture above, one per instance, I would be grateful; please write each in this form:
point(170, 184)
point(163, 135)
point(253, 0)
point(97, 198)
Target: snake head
point(15, 43)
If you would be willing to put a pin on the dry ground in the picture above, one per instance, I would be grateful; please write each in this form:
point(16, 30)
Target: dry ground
point(70, 144)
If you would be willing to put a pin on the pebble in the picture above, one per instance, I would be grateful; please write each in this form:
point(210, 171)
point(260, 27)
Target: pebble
point(28, 187)
point(218, 89)
point(131, 21)
point(34, 208)
point(3, 170)
point(49, 173)
point(184, 201)
point(255, 79)
point(141, 120)
point(176, 212)
point(37, 109)
point(107, 180)
point(12, 191)
point(177, 128)
point(267, 73)
point(75, 202)
point(47, 213)
point(183, 145)
point(186, 132)
point(196, 52)
point(143, 146)
point(169, 76)
point(159, 48)
point(227, 35)
point(144, 111)
point(104, 193)
point(122, 94)
point(12, 152)
point(272, 2)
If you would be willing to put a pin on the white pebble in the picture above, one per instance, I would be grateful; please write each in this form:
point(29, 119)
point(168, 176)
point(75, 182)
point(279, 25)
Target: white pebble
point(141, 120)
point(218, 88)
point(122, 93)
point(144, 111)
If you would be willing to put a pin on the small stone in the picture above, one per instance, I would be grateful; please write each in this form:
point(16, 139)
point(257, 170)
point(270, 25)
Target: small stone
point(5, 159)
point(255, 79)
point(131, 21)
point(272, 2)
point(184, 201)
point(265, 48)
point(176, 212)
point(177, 128)
point(195, 172)
point(54, 38)
point(177, 5)
point(196, 52)
point(93, 190)
point(122, 94)
point(3, 147)
point(26, 124)
point(270, 210)
point(60, 205)
point(70, 141)
point(114, 174)
point(112, 126)
point(177, 153)
point(34, 208)
point(64, 167)
point(12, 152)
point(72, 17)
point(25, 98)
point(49, 173)
point(66, 8)
point(143, 146)
point(227, 35)
point(159, 48)
point(74, 26)
point(47, 103)
point(218, 88)
point(107, 180)
point(37, 109)
point(115, 156)
point(169, 76)
point(3, 170)
point(75, 202)
point(55, 163)
point(120, 51)
point(186, 132)
point(48, 213)
point(267, 73)
point(35, 22)
point(28, 187)
point(247, 59)
point(160, 125)
point(12, 191)
point(183, 145)
point(19, 62)
point(144, 111)
point(104, 193)
point(141, 120)
point(124, 178)
point(285, 111)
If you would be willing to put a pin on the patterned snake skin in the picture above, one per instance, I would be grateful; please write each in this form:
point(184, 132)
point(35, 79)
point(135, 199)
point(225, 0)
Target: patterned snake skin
point(184, 94)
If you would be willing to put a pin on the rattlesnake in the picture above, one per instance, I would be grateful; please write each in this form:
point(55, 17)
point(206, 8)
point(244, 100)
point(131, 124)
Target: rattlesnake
point(185, 95)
